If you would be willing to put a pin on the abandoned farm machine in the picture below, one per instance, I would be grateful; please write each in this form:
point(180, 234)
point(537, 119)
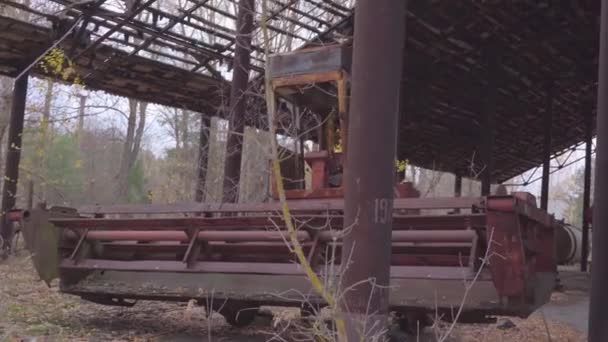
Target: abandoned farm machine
point(499, 249)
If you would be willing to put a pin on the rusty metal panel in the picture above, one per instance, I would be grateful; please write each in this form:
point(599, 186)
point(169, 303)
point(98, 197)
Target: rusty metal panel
point(506, 255)
point(280, 290)
point(311, 61)
point(42, 240)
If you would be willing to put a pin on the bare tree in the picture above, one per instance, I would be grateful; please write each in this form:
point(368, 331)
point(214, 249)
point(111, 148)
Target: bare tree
point(131, 146)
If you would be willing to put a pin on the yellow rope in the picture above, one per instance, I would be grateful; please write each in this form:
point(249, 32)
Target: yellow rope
point(314, 279)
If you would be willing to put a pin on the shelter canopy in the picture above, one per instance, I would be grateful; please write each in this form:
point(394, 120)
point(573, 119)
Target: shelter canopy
point(464, 60)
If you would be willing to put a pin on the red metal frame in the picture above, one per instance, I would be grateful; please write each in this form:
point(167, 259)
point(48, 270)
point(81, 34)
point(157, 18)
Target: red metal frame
point(517, 236)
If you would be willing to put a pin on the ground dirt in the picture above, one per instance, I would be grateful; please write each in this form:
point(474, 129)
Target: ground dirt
point(32, 311)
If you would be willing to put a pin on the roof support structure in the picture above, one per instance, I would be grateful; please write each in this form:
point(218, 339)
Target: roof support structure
point(13, 157)
point(587, 190)
point(489, 113)
point(369, 173)
point(457, 188)
point(487, 145)
point(547, 142)
point(487, 150)
point(598, 304)
point(457, 185)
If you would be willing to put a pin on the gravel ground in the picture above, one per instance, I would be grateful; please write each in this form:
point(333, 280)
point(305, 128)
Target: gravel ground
point(32, 311)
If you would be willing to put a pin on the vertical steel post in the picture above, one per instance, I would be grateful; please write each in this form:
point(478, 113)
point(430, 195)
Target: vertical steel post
point(457, 185)
point(490, 56)
point(203, 154)
point(547, 137)
point(238, 99)
point(457, 188)
point(369, 173)
point(586, 189)
point(598, 307)
point(13, 156)
point(487, 151)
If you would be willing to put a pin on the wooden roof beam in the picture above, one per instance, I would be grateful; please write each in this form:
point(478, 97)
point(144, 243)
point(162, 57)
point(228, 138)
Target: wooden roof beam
point(132, 15)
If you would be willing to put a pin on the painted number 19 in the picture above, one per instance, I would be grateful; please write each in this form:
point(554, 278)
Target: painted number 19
point(382, 210)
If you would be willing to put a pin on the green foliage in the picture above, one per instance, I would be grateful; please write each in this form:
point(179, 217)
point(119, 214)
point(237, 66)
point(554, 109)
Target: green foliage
point(66, 175)
point(55, 62)
point(63, 167)
point(400, 165)
point(574, 199)
point(137, 192)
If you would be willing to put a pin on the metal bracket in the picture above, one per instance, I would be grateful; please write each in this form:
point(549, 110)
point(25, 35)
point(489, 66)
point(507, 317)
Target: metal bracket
point(78, 246)
point(194, 247)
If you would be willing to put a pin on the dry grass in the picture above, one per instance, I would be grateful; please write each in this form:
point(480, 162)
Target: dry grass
point(29, 308)
point(531, 329)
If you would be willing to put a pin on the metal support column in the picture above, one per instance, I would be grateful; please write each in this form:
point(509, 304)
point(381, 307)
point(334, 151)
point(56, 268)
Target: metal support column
point(369, 173)
point(586, 189)
point(240, 78)
point(598, 307)
point(547, 137)
point(13, 156)
point(457, 188)
point(490, 55)
point(457, 185)
point(203, 154)
point(487, 151)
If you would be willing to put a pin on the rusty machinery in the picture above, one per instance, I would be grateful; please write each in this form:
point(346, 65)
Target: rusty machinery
point(491, 255)
point(502, 247)
point(499, 249)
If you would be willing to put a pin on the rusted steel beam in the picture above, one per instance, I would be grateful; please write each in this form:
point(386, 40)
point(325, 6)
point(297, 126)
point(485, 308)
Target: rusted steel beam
point(406, 272)
point(587, 190)
point(400, 222)
point(547, 137)
point(238, 99)
point(295, 206)
point(415, 236)
point(132, 14)
point(179, 267)
point(13, 157)
point(598, 307)
point(424, 222)
point(151, 235)
point(203, 151)
point(209, 223)
point(256, 247)
point(369, 173)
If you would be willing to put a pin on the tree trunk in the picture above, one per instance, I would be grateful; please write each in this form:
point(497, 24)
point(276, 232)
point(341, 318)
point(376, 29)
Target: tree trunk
point(81, 112)
point(238, 99)
point(131, 147)
point(203, 153)
point(41, 148)
point(185, 169)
